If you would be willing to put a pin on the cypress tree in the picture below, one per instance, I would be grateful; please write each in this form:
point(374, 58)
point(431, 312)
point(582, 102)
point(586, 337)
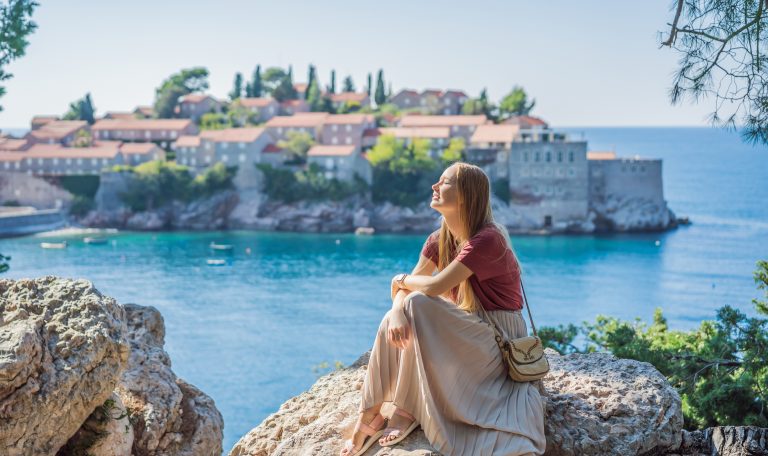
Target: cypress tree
point(310, 79)
point(370, 85)
point(332, 87)
point(256, 87)
point(237, 87)
point(380, 96)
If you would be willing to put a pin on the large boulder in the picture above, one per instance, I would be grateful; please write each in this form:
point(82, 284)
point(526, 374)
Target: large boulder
point(62, 348)
point(725, 441)
point(597, 404)
point(171, 417)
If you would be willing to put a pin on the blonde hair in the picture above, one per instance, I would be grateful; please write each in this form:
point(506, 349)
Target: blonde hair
point(474, 197)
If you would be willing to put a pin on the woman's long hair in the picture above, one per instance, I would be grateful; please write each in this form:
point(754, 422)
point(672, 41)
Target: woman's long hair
point(474, 197)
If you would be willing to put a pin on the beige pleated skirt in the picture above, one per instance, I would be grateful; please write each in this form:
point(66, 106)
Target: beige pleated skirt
point(453, 380)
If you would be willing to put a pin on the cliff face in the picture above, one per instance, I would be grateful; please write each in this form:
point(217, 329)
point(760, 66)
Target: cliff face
point(79, 372)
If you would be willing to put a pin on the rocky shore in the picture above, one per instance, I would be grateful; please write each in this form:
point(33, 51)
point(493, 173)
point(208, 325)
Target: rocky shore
point(81, 374)
point(249, 209)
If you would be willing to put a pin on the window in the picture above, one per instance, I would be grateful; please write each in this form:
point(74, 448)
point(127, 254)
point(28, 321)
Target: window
point(348, 140)
point(349, 127)
point(525, 171)
point(571, 172)
point(95, 161)
point(224, 145)
point(642, 169)
point(39, 161)
point(104, 161)
point(7, 165)
point(549, 157)
point(538, 156)
point(241, 145)
point(334, 140)
point(173, 134)
point(525, 156)
point(560, 157)
point(69, 161)
point(407, 101)
point(242, 158)
point(280, 130)
point(455, 128)
point(224, 158)
point(207, 158)
point(55, 161)
point(329, 163)
point(329, 175)
point(334, 128)
point(570, 156)
point(183, 161)
point(147, 134)
point(194, 161)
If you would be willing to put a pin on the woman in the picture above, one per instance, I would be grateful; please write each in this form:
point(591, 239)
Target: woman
point(434, 358)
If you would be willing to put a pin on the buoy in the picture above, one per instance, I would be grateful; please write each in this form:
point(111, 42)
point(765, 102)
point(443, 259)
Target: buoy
point(338, 241)
point(248, 250)
point(658, 243)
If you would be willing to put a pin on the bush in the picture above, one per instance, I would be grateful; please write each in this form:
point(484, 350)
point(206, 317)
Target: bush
point(81, 205)
point(310, 184)
point(158, 182)
point(86, 186)
point(500, 188)
point(719, 369)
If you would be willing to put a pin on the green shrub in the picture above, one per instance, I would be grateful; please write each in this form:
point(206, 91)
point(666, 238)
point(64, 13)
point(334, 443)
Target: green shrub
point(86, 186)
point(719, 369)
point(310, 184)
point(500, 188)
point(81, 205)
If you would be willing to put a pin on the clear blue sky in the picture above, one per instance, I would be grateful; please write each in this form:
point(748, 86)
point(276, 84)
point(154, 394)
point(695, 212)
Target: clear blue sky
point(587, 63)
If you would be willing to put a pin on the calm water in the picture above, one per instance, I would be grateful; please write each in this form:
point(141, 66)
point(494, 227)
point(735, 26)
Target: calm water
point(249, 333)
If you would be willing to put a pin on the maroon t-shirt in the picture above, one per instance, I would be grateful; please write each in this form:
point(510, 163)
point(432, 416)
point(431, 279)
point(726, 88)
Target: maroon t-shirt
point(496, 274)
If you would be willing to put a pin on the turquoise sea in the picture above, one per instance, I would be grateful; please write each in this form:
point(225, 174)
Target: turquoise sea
point(253, 333)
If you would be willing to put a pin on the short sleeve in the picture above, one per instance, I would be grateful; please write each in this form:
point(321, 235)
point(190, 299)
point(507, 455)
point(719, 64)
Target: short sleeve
point(484, 254)
point(430, 248)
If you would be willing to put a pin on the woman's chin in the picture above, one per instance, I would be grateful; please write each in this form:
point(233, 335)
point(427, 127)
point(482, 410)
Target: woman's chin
point(435, 204)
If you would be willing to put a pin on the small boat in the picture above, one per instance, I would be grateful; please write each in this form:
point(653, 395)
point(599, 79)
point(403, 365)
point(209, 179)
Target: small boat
point(221, 247)
point(54, 245)
point(364, 231)
point(95, 240)
point(216, 262)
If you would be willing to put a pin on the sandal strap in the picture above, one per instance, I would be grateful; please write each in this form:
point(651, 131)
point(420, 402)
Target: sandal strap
point(404, 414)
point(373, 427)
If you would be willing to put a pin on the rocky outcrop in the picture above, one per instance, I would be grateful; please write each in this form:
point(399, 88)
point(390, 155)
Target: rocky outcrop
point(171, 416)
point(62, 347)
point(81, 374)
point(597, 405)
point(725, 441)
point(631, 214)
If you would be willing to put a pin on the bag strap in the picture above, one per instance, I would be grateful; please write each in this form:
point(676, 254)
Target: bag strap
point(525, 303)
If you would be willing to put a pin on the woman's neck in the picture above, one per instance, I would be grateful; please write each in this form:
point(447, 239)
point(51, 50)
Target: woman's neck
point(455, 226)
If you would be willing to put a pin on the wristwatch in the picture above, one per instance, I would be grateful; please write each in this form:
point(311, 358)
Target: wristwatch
point(400, 278)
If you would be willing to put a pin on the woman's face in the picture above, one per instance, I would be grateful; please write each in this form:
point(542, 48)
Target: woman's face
point(445, 194)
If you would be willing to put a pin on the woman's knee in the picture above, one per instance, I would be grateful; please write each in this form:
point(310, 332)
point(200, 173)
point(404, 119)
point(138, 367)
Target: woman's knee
point(416, 301)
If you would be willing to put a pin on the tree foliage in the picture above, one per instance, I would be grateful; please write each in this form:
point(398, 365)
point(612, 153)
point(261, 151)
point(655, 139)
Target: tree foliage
point(719, 368)
point(81, 109)
point(17, 25)
point(255, 85)
point(177, 85)
point(719, 44)
point(380, 96)
point(159, 182)
point(237, 87)
point(297, 144)
point(332, 85)
point(307, 185)
point(348, 85)
point(515, 103)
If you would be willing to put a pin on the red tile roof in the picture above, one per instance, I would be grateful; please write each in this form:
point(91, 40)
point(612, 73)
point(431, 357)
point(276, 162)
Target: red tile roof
point(458, 93)
point(58, 129)
point(302, 119)
point(244, 135)
point(418, 132)
point(102, 149)
point(495, 134)
point(195, 98)
point(322, 150)
point(272, 149)
point(409, 92)
point(257, 102)
point(371, 132)
point(344, 119)
point(187, 141)
point(142, 124)
point(139, 148)
point(526, 121)
point(434, 92)
point(442, 121)
point(599, 155)
point(300, 86)
point(13, 144)
point(119, 115)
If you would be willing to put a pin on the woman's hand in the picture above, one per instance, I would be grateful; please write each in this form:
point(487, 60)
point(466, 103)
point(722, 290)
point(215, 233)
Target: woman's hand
point(394, 286)
point(399, 333)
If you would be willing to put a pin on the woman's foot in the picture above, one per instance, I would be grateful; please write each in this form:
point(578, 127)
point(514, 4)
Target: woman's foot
point(368, 429)
point(400, 425)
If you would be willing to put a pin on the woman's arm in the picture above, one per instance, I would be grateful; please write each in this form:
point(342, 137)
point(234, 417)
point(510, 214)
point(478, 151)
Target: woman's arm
point(455, 273)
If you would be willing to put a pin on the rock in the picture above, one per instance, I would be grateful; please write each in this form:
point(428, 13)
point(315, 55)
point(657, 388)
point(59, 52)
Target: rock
point(172, 417)
point(148, 221)
point(631, 214)
point(597, 405)
point(106, 432)
point(62, 348)
point(207, 213)
point(388, 218)
point(600, 404)
point(726, 441)
point(246, 212)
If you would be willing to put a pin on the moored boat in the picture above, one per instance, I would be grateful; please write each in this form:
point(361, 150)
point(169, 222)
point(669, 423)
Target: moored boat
point(54, 245)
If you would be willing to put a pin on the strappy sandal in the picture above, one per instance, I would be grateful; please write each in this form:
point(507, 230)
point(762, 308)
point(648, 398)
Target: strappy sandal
point(401, 434)
point(373, 430)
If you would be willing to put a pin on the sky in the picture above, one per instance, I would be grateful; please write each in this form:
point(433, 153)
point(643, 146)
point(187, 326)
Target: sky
point(586, 63)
